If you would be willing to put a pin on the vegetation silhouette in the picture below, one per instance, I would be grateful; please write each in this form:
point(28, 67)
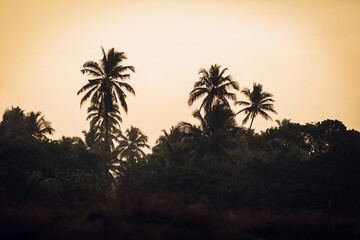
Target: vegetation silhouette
point(129, 145)
point(213, 136)
point(32, 125)
point(169, 146)
point(105, 89)
point(211, 180)
point(214, 86)
point(259, 103)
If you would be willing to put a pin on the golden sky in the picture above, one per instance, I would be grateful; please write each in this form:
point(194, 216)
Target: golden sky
point(307, 53)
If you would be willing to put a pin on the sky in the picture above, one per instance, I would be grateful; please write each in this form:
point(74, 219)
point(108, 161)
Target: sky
point(306, 53)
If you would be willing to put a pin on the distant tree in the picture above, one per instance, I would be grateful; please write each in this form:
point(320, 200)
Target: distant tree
point(259, 103)
point(105, 89)
point(170, 146)
point(37, 126)
point(20, 125)
point(214, 86)
point(91, 138)
point(322, 137)
point(131, 144)
point(213, 136)
point(13, 123)
point(283, 122)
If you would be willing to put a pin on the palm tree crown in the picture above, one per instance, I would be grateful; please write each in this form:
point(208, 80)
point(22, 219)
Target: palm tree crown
point(259, 103)
point(105, 90)
point(29, 126)
point(106, 83)
point(214, 86)
point(38, 126)
point(170, 146)
point(131, 143)
point(213, 136)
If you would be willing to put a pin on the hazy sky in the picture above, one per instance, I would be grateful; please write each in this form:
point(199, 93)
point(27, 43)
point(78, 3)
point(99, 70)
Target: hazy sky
point(307, 53)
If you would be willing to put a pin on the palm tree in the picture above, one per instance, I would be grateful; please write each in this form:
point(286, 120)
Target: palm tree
point(105, 88)
point(131, 143)
point(259, 103)
point(37, 126)
point(170, 146)
point(214, 135)
point(97, 116)
point(214, 86)
point(284, 122)
point(91, 138)
point(20, 125)
point(13, 123)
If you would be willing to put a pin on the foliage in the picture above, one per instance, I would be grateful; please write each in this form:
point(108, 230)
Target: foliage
point(105, 88)
point(287, 168)
point(28, 126)
point(281, 171)
point(214, 86)
point(213, 137)
point(130, 144)
point(259, 103)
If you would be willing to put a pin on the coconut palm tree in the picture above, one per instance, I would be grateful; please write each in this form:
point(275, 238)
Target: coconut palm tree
point(214, 85)
point(92, 138)
point(213, 137)
point(29, 126)
point(131, 143)
point(170, 146)
point(284, 122)
point(13, 123)
point(97, 116)
point(259, 103)
point(37, 126)
point(105, 88)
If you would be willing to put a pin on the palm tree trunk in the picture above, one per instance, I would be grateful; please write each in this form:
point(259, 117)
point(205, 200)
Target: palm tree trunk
point(106, 147)
point(242, 155)
point(252, 120)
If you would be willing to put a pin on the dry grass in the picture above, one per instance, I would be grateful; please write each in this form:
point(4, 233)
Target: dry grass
point(166, 217)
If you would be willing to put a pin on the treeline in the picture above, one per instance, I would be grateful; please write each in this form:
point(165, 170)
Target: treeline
point(216, 162)
point(291, 166)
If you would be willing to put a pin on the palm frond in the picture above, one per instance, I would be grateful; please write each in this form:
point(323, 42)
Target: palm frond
point(242, 103)
point(87, 95)
point(195, 94)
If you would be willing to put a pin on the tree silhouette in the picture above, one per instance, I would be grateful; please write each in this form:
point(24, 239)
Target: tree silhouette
point(259, 103)
point(170, 146)
point(37, 126)
point(92, 138)
point(105, 89)
point(27, 126)
point(131, 143)
point(214, 86)
point(213, 136)
point(283, 122)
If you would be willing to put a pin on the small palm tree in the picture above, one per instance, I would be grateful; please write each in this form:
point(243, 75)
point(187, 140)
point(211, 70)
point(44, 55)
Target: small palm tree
point(131, 144)
point(91, 138)
point(214, 135)
point(259, 103)
point(283, 122)
point(37, 126)
point(214, 86)
point(170, 146)
point(20, 125)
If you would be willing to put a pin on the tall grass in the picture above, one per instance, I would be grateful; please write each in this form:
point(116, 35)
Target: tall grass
point(134, 216)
